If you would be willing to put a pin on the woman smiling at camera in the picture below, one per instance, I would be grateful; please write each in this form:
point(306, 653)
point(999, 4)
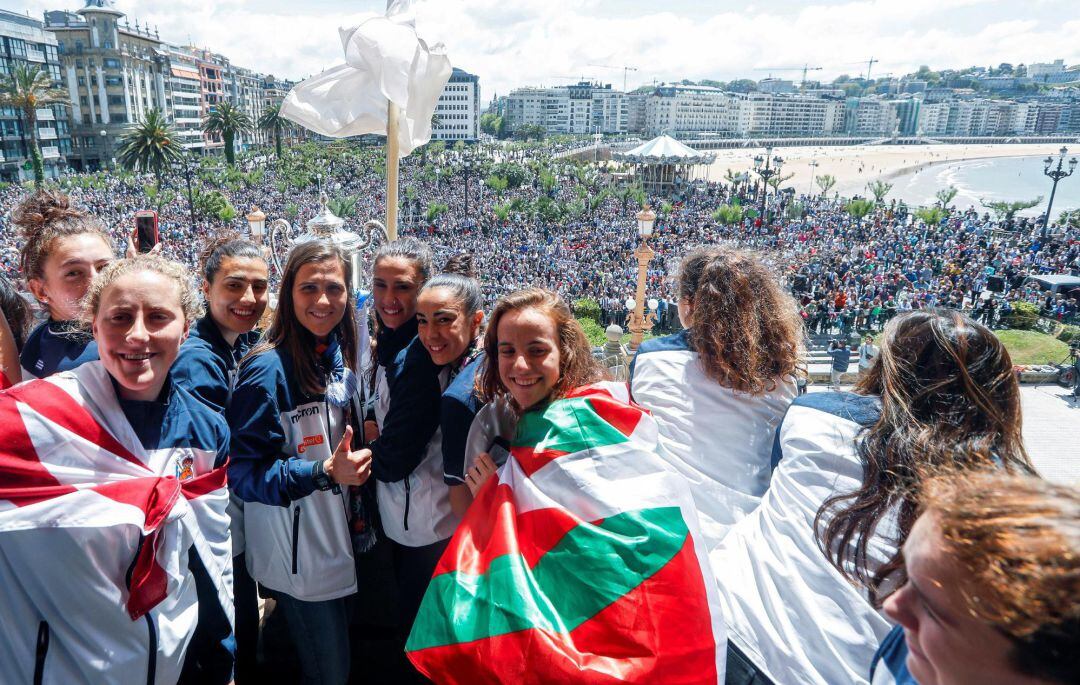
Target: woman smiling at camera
point(124, 472)
point(293, 417)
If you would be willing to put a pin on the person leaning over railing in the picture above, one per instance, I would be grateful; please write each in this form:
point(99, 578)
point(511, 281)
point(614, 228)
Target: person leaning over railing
point(993, 586)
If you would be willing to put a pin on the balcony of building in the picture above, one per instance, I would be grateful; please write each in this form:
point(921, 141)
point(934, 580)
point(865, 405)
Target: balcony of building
point(33, 55)
point(46, 134)
point(50, 152)
point(46, 114)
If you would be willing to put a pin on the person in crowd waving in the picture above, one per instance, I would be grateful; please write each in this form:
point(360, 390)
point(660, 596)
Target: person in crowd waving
point(535, 351)
point(235, 288)
point(802, 578)
point(993, 586)
point(64, 249)
point(719, 388)
point(293, 415)
point(115, 558)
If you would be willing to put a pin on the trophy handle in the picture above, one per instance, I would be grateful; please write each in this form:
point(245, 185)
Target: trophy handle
point(279, 247)
point(372, 229)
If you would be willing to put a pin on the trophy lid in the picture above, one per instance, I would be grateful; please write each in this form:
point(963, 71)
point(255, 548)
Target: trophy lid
point(325, 222)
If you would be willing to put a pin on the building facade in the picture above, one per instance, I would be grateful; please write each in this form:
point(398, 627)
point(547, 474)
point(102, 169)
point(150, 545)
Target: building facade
point(458, 108)
point(25, 42)
point(581, 108)
point(114, 72)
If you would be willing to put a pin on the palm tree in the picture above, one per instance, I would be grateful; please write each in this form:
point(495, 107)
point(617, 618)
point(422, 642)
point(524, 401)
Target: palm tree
point(946, 195)
point(826, 182)
point(228, 121)
point(271, 120)
point(25, 90)
point(879, 189)
point(436, 120)
point(149, 145)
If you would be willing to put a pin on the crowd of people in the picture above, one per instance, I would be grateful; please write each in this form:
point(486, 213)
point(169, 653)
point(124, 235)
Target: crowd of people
point(850, 274)
point(184, 452)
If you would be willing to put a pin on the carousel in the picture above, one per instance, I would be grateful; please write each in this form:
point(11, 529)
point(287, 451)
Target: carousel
point(665, 167)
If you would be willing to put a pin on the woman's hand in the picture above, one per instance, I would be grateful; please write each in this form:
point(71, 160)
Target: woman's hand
point(482, 469)
point(346, 467)
point(371, 432)
point(131, 251)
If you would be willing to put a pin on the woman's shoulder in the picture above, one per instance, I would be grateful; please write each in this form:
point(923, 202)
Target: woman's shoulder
point(861, 409)
point(271, 365)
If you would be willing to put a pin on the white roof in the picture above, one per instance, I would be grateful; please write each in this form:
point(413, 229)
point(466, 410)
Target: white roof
point(666, 150)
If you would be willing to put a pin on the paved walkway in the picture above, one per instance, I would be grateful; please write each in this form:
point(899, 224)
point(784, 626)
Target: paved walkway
point(1051, 430)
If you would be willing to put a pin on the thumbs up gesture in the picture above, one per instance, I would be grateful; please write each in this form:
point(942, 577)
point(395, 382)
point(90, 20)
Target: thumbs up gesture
point(346, 467)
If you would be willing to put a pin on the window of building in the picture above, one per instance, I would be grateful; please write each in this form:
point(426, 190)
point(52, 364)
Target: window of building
point(111, 63)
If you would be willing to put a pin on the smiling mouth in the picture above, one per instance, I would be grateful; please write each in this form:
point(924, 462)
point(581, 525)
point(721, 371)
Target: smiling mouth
point(242, 313)
point(392, 312)
point(524, 383)
point(437, 348)
point(140, 357)
point(321, 315)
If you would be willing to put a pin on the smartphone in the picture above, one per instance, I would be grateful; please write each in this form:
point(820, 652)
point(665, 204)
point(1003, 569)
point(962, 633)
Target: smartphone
point(146, 230)
point(499, 451)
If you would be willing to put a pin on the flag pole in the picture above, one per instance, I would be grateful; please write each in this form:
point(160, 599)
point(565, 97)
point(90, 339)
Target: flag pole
point(392, 113)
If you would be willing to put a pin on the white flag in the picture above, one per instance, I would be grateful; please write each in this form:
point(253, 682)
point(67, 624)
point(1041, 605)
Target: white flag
point(384, 61)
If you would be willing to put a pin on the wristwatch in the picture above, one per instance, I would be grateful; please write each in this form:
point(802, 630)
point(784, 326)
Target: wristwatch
point(321, 478)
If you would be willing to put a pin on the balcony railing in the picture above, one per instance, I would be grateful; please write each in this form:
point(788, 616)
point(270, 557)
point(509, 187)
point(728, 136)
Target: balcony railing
point(35, 55)
point(46, 134)
point(46, 114)
point(50, 152)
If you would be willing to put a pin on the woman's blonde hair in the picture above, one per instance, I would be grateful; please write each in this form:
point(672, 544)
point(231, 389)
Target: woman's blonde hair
point(1017, 540)
point(189, 296)
point(746, 328)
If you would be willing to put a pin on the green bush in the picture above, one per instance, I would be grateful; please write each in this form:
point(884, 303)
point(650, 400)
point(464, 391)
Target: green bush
point(1023, 317)
point(1068, 333)
point(593, 331)
point(587, 308)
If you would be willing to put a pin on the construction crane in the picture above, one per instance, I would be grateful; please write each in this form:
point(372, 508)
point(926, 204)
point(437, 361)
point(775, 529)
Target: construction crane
point(625, 70)
point(804, 68)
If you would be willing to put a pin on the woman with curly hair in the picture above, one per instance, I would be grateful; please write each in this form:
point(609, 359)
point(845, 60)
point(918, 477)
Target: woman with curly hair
point(993, 586)
point(803, 577)
point(719, 388)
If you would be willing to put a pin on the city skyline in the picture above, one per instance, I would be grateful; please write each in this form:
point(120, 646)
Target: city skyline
point(555, 42)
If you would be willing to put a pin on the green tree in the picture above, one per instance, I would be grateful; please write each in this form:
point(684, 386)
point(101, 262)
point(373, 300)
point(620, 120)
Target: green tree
point(343, 206)
point(858, 209)
point(728, 214)
point(228, 121)
point(825, 182)
point(547, 209)
point(149, 146)
point(489, 123)
point(596, 201)
point(931, 216)
point(1006, 211)
point(513, 172)
point(547, 181)
point(27, 89)
point(502, 212)
point(775, 181)
point(434, 211)
point(272, 121)
point(879, 189)
point(946, 195)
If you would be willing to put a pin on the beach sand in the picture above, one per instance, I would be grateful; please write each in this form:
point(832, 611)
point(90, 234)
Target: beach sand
point(854, 166)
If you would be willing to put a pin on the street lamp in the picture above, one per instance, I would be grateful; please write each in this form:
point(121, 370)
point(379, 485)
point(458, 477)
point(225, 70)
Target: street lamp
point(257, 223)
point(771, 168)
point(639, 322)
point(813, 172)
point(467, 166)
point(104, 148)
point(183, 165)
point(1056, 174)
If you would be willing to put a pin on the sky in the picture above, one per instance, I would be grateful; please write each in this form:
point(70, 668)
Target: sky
point(511, 43)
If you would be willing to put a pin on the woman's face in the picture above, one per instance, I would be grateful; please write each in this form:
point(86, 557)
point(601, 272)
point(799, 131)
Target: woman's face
point(237, 298)
point(445, 329)
point(320, 296)
point(67, 272)
point(529, 356)
point(947, 645)
point(139, 327)
point(395, 283)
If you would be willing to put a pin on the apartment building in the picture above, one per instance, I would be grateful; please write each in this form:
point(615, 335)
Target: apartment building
point(458, 108)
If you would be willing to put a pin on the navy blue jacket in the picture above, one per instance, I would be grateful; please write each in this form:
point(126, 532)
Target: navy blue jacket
point(207, 363)
point(413, 414)
point(56, 346)
point(458, 409)
point(178, 419)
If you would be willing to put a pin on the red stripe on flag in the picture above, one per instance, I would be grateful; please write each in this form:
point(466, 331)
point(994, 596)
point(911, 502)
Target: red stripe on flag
point(660, 632)
point(622, 416)
point(149, 583)
point(532, 459)
point(26, 481)
point(501, 531)
point(57, 406)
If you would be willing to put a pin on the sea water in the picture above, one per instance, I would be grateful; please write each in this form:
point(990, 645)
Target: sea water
point(989, 180)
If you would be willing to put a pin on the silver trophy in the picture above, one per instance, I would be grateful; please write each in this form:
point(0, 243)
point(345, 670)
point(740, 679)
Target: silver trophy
point(326, 226)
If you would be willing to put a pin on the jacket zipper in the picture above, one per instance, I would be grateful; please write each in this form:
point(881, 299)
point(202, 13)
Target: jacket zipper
point(295, 536)
point(408, 492)
point(151, 664)
point(42, 650)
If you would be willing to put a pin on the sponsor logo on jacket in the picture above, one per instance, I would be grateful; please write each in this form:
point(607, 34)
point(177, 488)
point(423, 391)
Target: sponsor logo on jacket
point(309, 441)
point(300, 413)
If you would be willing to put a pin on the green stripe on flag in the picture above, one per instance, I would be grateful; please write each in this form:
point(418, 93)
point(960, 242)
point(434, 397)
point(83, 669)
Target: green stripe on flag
point(591, 567)
point(569, 425)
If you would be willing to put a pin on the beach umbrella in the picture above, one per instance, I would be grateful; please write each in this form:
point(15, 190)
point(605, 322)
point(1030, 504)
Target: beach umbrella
point(389, 85)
